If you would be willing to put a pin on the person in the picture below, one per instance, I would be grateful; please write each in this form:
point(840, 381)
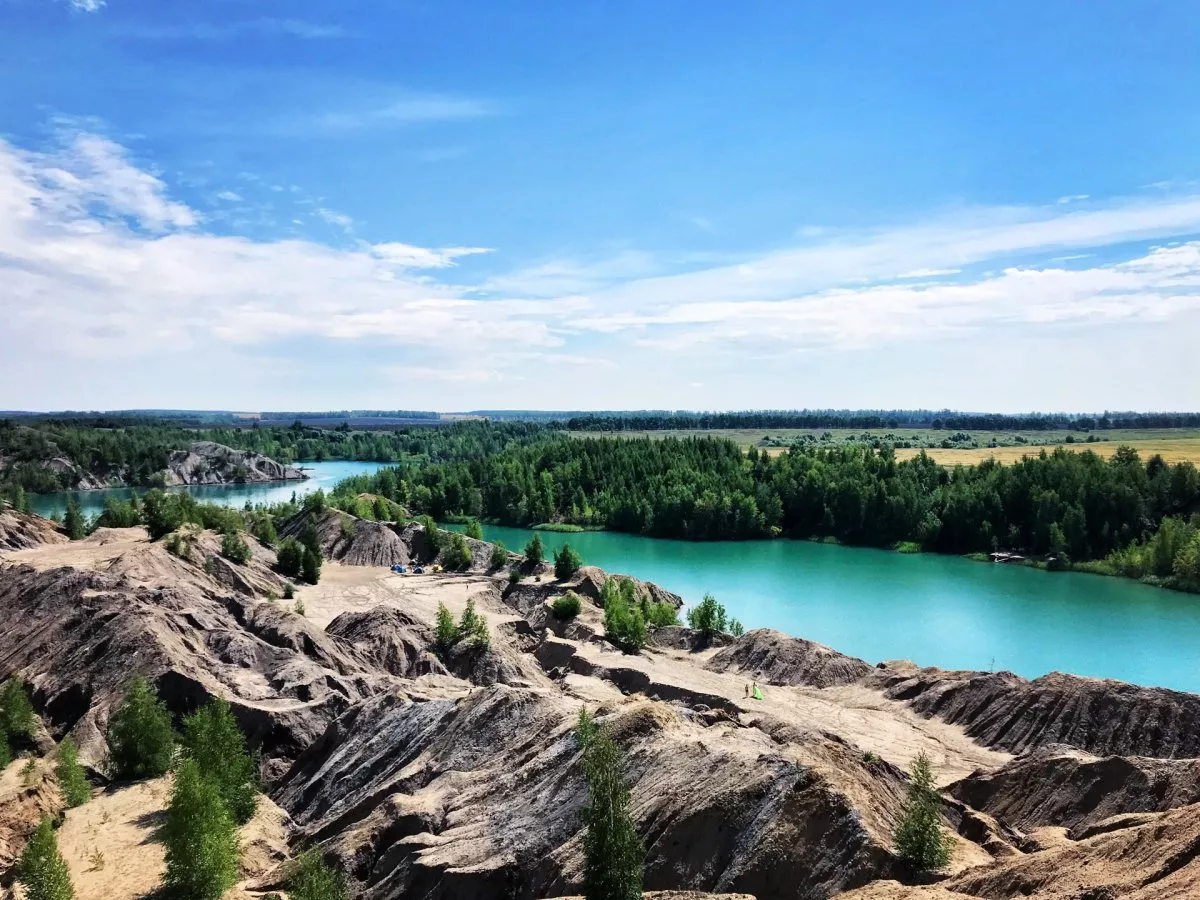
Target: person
point(754, 691)
point(747, 691)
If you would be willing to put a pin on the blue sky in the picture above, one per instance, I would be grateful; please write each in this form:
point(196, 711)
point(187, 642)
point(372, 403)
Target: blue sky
point(458, 205)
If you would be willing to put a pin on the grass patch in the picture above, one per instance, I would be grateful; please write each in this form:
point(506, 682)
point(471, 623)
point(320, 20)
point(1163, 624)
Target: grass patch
point(907, 547)
point(977, 557)
point(566, 528)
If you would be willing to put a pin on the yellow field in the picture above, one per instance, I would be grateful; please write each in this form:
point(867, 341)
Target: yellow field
point(1173, 451)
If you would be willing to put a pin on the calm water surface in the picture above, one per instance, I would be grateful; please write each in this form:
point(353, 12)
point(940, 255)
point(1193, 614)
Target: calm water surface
point(321, 475)
point(935, 610)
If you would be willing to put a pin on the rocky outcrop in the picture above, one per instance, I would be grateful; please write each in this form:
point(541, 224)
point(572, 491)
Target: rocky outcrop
point(1005, 711)
point(21, 532)
point(391, 639)
point(205, 462)
point(775, 658)
point(1057, 786)
point(350, 540)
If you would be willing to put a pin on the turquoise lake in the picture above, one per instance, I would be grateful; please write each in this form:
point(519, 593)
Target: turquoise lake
point(879, 605)
point(934, 610)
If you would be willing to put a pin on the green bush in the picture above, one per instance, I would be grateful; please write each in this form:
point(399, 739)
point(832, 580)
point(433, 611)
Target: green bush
point(614, 856)
point(624, 625)
point(312, 879)
point(234, 549)
point(77, 790)
point(514, 577)
point(433, 536)
point(566, 562)
point(535, 551)
point(162, 512)
point(708, 617)
point(473, 627)
point(736, 628)
point(920, 841)
point(289, 591)
point(310, 570)
point(200, 838)
point(42, 870)
point(457, 555)
point(659, 615)
point(290, 558)
point(499, 557)
point(474, 530)
point(445, 631)
point(212, 739)
point(17, 719)
point(567, 606)
point(263, 528)
point(73, 520)
point(141, 740)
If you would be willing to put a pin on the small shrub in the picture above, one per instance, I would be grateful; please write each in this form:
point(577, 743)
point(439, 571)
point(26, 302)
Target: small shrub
point(77, 790)
point(141, 741)
point(457, 555)
point(289, 591)
point(347, 527)
point(708, 617)
point(73, 521)
point(97, 860)
point(566, 562)
point(736, 628)
point(433, 536)
point(313, 879)
point(234, 549)
point(200, 838)
point(535, 551)
point(919, 838)
point(567, 606)
point(624, 624)
point(299, 608)
point(499, 557)
point(311, 569)
point(445, 631)
point(473, 627)
point(28, 771)
point(660, 615)
point(212, 739)
point(290, 558)
point(474, 530)
point(17, 719)
point(514, 577)
point(42, 869)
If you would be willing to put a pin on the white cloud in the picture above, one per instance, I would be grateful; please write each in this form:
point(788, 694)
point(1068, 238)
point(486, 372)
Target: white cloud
point(229, 196)
point(333, 217)
point(410, 257)
point(87, 5)
point(207, 31)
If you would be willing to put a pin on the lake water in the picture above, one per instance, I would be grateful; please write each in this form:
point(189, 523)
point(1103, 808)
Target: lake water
point(321, 475)
point(935, 610)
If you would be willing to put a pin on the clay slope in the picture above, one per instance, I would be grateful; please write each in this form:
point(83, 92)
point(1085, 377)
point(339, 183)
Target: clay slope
point(478, 795)
point(1005, 711)
point(1067, 788)
point(21, 532)
point(350, 540)
point(775, 658)
point(76, 636)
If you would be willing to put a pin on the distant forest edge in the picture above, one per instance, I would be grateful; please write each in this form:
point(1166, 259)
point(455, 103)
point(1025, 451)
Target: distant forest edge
point(637, 420)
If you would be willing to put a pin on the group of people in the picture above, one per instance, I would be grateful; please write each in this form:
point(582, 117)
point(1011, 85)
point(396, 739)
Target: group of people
point(752, 691)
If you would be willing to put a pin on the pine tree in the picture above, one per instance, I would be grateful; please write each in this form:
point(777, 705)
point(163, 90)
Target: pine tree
point(566, 562)
point(213, 739)
point(313, 879)
point(16, 712)
point(614, 857)
point(473, 627)
point(42, 870)
point(499, 555)
point(311, 566)
point(445, 632)
point(535, 552)
point(141, 740)
point(200, 838)
point(77, 790)
point(73, 521)
point(919, 838)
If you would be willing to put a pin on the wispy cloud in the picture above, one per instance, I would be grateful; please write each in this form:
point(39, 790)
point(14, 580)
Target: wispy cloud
point(87, 5)
point(212, 31)
point(406, 110)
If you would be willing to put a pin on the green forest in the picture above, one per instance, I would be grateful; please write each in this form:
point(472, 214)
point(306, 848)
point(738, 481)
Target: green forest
point(141, 450)
point(1065, 507)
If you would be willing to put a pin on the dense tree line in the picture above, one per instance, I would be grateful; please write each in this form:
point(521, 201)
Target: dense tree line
point(1072, 505)
point(875, 418)
point(138, 452)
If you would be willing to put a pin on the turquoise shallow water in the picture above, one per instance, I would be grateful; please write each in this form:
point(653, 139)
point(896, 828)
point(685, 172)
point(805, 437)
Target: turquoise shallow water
point(321, 475)
point(935, 610)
